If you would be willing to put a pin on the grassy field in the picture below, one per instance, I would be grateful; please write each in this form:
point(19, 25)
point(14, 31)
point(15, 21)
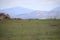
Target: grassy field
point(48, 29)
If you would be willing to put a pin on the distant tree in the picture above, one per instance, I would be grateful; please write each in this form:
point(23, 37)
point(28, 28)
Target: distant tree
point(4, 16)
point(17, 19)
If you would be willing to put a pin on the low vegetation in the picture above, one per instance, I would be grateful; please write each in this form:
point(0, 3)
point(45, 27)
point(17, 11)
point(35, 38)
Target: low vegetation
point(47, 29)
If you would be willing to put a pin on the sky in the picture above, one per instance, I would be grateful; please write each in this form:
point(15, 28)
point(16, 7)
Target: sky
point(44, 5)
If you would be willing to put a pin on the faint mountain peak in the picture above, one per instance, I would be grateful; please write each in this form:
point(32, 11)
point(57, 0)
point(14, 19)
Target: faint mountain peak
point(16, 11)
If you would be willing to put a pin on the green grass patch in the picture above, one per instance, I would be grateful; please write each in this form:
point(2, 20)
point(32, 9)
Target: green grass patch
point(47, 29)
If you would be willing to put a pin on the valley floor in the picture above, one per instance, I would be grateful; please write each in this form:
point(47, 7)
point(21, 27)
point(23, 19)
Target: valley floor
point(47, 29)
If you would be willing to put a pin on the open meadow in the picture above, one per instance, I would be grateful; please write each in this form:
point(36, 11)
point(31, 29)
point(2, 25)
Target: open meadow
point(33, 29)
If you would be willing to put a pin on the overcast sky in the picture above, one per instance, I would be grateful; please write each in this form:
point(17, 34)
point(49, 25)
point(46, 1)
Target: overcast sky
point(31, 4)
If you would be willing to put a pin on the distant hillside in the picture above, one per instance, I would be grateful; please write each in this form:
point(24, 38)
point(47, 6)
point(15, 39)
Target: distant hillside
point(20, 12)
point(55, 13)
point(35, 14)
point(16, 11)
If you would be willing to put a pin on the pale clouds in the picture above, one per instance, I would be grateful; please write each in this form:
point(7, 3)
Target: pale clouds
point(32, 4)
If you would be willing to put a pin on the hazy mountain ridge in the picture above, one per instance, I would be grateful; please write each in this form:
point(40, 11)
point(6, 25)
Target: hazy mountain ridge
point(16, 11)
point(55, 13)
point(34, 14)
point(20, 12)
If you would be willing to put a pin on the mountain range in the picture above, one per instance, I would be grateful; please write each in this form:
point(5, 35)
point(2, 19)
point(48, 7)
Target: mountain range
point(16, 11)
point(55, 13)
point(24, 13)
